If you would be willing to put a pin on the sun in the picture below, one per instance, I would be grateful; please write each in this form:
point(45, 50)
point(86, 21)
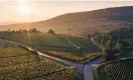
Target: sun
point(24, 10)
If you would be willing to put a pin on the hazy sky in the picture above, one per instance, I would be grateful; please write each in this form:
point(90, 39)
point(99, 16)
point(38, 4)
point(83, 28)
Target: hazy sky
point(36, 10)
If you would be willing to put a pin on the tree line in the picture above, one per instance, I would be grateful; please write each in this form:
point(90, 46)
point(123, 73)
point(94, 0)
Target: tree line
point(33, 30)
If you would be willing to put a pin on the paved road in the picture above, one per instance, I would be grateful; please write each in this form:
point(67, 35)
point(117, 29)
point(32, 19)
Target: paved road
point(88, 69)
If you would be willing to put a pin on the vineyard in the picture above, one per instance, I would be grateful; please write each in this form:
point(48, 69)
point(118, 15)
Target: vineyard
point(45, 41)
point(120, 69)
point(77, 57)
point(57, 45)
point(19, 64)
point(25, 67)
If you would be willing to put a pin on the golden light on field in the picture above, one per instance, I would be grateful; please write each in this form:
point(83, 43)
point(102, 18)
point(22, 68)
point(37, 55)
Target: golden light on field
point(24, 10)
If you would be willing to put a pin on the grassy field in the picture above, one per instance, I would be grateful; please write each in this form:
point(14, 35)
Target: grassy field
point(19, 64)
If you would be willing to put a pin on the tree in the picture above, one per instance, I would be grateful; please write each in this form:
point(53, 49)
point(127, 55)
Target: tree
point(33, 30)
point(109, 44)
point(89, 36)
point(108, 54)
point(13, 31)
point(123, 48)
point(25, 31)
point(9, 30)
point(51, 31)
point(102, 42)
point(20, 30)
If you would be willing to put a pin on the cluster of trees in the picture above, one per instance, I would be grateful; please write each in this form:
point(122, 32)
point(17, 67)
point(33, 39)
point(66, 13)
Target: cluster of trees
point(125, 33)
point(118, 41)
point(33, 30)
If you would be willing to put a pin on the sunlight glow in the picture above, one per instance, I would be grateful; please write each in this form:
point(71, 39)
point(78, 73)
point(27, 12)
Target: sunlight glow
point(24, 10)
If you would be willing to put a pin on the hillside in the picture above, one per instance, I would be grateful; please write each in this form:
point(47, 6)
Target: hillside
point(45, 41)
point(83, 22)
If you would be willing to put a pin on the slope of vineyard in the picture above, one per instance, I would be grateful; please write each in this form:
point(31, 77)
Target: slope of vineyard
point(120, 69)
point(18, 68)
point(57, 45)
point(45, 41)
point(19, 64)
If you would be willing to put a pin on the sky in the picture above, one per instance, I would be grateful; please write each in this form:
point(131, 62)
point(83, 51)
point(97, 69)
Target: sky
point(38, 10)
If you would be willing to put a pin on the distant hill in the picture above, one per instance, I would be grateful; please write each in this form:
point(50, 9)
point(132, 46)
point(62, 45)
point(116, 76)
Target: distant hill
point(7, 23)
point(83, 22)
